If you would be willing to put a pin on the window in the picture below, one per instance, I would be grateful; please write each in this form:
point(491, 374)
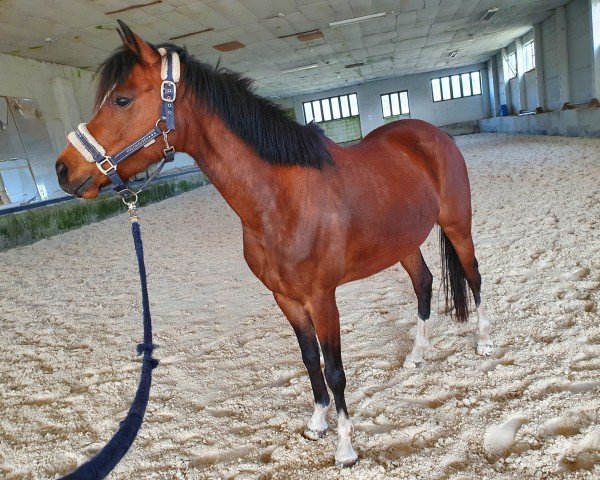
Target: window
point(456, 89)
point(456, 86)
point(465, 80)
point(332, 108)
point(437, 90)
point(446, 88)
point(511, 61)
point(476, 83)
point(394, 104)
point(529, 54)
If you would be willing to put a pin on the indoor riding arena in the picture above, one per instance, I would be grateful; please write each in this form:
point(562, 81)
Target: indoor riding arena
point(300, 239)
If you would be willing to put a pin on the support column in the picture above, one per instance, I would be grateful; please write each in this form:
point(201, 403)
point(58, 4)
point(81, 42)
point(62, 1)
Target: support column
point(539, 64)
point(595, 34)
point(521, 75)
point(4, 200)
point(64, 94)
point(493, 83)
point(507, 87)
point(562, 55)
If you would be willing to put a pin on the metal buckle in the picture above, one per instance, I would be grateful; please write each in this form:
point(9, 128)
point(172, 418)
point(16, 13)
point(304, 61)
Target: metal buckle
point(165, 98)
point(162, 120)
point(128, 196)
point(106, 171)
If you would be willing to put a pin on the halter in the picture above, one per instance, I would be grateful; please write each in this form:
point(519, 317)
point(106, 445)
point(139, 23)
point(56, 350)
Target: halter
point(93, 152)
point(111, 454)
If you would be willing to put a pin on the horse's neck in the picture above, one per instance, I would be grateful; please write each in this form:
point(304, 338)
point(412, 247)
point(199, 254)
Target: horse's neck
point(246, 182)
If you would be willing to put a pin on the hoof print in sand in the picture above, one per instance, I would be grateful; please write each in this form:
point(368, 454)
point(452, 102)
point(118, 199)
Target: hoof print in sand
point(561, 426)
point(499, 439)
point(583, 455)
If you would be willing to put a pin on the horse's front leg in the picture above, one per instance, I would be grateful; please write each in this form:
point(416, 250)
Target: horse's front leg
point(305, 333)
point(326, 319)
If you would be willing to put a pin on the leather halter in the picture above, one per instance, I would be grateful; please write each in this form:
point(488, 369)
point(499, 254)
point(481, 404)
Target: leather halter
point(93, 152)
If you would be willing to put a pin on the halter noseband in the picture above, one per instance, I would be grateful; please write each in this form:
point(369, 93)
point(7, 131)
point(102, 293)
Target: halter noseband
point(93, 152)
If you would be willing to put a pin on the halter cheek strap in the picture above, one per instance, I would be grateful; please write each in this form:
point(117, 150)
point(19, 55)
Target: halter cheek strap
point(93, 152)
point(169, 72)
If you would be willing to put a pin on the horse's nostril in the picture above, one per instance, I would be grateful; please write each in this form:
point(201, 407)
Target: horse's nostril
point(61, 170)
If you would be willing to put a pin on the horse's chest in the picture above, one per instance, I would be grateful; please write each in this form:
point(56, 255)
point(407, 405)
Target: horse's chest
point(262, 261)
point(282, 260)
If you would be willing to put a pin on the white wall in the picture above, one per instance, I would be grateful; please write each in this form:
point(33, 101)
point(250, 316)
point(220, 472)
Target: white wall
point(420, 99)
point(579, 44)
point(65, 96)
point(522, 87)
point(531, 87)
point(21, 77)
point(570, 69)
point(551, 63)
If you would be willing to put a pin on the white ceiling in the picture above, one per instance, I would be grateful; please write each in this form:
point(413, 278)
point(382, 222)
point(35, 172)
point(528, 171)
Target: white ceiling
point(415, 35)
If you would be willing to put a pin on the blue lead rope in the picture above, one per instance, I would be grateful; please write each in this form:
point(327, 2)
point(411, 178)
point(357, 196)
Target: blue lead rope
point(101, 465)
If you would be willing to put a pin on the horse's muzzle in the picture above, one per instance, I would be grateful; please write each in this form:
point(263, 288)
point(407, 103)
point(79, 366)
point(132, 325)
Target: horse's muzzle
point(80, 187)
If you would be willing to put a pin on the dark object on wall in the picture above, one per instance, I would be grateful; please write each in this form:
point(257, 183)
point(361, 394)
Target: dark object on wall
point(593, 103)
point(461, 128)
point(503, 110)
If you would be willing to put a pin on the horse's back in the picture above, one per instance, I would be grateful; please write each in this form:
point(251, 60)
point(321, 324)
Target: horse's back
point(427, 144)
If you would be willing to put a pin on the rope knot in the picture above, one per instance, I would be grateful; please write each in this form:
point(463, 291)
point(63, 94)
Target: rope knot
point(144, 347)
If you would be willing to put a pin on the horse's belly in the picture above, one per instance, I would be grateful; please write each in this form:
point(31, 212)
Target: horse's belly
point(381, 244)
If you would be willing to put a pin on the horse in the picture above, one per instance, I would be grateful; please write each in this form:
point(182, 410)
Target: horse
point(314, 214)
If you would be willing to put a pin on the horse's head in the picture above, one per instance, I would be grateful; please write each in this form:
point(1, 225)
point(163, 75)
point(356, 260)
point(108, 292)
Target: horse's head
point(128, 105)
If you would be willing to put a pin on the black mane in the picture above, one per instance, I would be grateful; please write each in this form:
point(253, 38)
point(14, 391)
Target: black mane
point(259, 122)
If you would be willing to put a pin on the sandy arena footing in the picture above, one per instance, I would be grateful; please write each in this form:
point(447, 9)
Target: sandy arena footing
point(231, 396)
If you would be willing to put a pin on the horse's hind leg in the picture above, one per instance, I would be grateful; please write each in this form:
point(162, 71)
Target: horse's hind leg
point(422, 280)
point(462, 242)
point(305, 333)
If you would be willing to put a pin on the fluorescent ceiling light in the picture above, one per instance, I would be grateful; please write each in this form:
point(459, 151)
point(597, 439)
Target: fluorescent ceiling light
point(133, 7)
point(489, 14)
point(350, 21)
point(299, 69)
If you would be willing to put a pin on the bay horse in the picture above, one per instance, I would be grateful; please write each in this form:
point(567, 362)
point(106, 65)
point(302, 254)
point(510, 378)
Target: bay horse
point(315, 215)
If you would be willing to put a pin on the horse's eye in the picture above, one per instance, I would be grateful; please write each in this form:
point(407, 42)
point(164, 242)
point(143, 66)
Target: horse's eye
point(123, 101)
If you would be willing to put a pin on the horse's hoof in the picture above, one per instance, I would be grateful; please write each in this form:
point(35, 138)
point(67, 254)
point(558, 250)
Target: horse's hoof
point(345, 456)
point(314, 434)
point(485, 349)
point(347, 463)
point(410, 363)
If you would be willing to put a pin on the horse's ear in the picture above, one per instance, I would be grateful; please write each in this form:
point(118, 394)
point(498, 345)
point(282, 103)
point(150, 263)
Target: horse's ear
point(146, 52)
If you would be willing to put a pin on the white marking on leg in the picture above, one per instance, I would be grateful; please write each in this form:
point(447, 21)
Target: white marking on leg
point(317, 425)
point(345, 454)
point(485, 346)
point(415, 359)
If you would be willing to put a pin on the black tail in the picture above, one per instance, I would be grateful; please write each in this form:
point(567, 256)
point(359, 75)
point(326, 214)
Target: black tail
point(453, 280)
